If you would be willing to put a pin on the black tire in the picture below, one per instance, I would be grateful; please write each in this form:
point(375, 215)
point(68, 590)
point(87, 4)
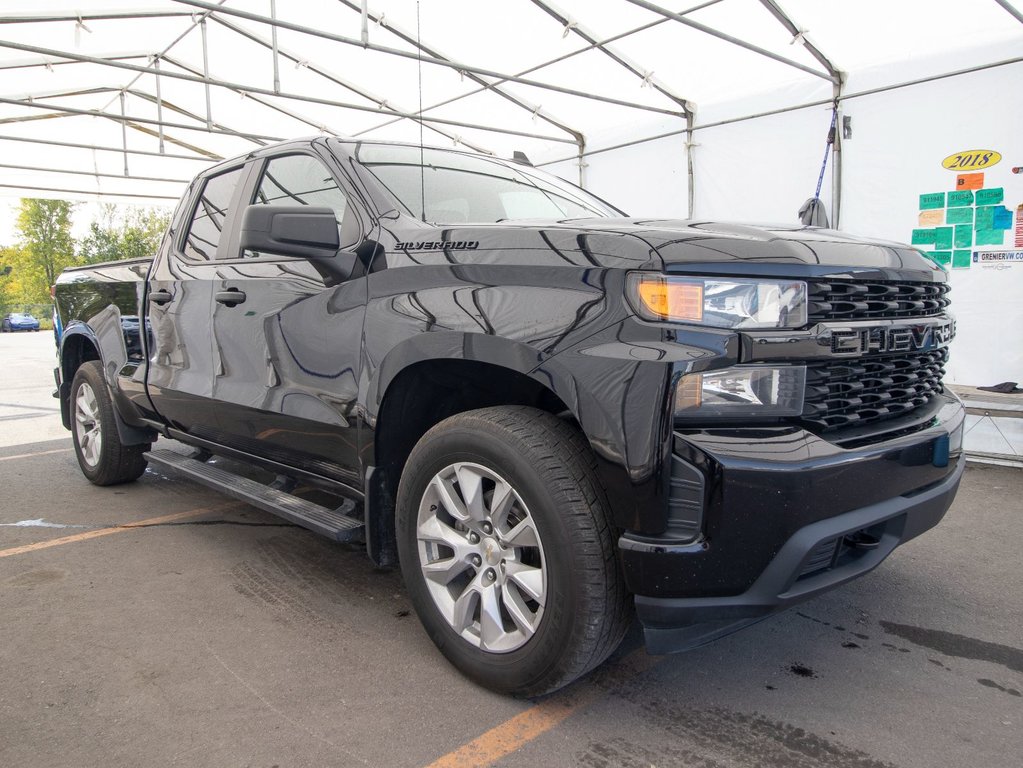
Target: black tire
point(101, 456)
point(550, 468)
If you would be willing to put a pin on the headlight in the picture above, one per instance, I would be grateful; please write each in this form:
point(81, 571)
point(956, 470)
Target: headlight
point(742, 392)
point(719, 302)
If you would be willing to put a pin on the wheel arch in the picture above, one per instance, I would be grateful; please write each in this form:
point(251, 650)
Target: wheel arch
point(78, 344)
point(433, 376)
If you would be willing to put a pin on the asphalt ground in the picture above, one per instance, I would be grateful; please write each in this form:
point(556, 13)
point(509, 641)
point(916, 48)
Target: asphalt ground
point(166, 625)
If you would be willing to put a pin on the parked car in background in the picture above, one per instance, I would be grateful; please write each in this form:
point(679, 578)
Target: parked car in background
point(19, 322)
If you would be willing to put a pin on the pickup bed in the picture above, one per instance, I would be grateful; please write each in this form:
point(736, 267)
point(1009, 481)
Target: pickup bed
point(551, 415)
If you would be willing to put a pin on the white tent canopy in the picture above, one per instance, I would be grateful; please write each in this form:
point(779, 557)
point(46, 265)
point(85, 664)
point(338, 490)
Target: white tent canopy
point(121, 100)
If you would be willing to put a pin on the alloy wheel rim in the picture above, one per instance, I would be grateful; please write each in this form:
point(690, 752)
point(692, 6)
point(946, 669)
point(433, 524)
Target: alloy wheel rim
point(481, 557)
point(87, 428)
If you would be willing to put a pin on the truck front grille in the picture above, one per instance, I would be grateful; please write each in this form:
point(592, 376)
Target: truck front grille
point(865, 300)
point(858, 392)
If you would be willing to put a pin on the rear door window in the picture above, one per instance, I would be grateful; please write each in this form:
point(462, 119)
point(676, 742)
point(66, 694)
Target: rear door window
point(210, 215)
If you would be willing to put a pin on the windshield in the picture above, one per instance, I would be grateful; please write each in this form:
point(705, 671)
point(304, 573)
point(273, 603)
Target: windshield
point(462, 188)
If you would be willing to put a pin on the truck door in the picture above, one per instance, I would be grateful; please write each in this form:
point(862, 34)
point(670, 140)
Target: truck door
point(180, 298)
point(287, 334)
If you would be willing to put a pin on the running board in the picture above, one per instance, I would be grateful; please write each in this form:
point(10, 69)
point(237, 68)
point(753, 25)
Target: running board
point(337, 524)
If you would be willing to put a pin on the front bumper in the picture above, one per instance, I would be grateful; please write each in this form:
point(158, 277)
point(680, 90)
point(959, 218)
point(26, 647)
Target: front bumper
point(788, 516)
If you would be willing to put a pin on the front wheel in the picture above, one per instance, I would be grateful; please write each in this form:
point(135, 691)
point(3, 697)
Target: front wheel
point(507, 550)
point(102, 457)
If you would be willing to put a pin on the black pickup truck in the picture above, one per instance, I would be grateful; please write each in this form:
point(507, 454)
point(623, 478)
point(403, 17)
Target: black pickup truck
point(550, 414)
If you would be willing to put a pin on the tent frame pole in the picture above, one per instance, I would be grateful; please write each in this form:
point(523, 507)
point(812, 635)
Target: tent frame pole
point(337, 80)
point(92, 173)
point(838, 82)
point(267, 92)
point(159, 101)
point(796, 107)
point(544, 64)
point(720, 35)
point(273, 37)
point(457, 66)
point(206, 73)
point(124, 133)
point(128, 119)
point(533, 109)
point(100, 148)
point(1011, 10)
point(646, 76)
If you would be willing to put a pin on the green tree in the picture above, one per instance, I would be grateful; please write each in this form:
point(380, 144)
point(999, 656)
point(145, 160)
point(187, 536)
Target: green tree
point(120, 233)
point(45, 230)
point(103, 241)
point(7, 257)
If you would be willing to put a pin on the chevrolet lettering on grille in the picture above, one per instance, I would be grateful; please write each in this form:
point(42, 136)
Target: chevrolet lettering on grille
point(921, 337)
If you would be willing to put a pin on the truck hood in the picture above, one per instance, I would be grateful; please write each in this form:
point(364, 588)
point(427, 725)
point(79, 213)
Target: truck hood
point(707, 247)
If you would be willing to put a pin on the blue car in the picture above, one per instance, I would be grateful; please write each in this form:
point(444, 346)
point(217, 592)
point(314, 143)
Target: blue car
point(19, 322)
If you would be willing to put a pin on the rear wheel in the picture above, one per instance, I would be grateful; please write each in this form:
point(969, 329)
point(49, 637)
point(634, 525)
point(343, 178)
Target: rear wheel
point(102, 457)
point(507, 549)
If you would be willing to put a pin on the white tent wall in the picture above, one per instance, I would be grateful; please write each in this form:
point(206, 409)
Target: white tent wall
point(646, 179)
point(763, 169)
point(899, 141)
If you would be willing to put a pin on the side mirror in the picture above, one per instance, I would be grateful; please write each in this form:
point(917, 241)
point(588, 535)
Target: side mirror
point(290, 230)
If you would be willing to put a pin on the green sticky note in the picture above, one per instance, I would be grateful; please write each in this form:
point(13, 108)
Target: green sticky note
point(990, 236)
point(943, 237)
point(964, 236)
point(959, 216)
point(933, 200)
point(923, 237)
point(944, 258)
point(985, 218)
point(990, 196)
point(961, 260)
point(959, 199)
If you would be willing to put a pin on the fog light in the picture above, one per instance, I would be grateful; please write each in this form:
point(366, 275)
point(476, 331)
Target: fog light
point(742, 393)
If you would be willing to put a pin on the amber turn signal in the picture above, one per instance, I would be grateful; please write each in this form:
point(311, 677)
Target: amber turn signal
point(671, 300)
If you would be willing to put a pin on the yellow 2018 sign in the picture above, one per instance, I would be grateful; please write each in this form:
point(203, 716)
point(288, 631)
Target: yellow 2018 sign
point(971, 160)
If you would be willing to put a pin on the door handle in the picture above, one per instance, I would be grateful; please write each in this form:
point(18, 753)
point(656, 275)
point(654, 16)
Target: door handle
point(230, 297)
point(160, 297)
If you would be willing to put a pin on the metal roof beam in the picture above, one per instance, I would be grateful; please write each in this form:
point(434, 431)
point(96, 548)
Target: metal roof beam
point(100, 148)
point(162, 135)
point(31, 118)
point(646, 76)
point(457, 66)
point(319, 126)
point(64, 190)
point(49, 63)
point(838, 81)
point(255, 138)
point(197, 19)
point(323, 72)
point(31, 18)
point(542, 65)
point(266, 92)
point(799, 34)
point(727, 38)
point(534, 109)
point(1011, 9)
point(92, 173)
